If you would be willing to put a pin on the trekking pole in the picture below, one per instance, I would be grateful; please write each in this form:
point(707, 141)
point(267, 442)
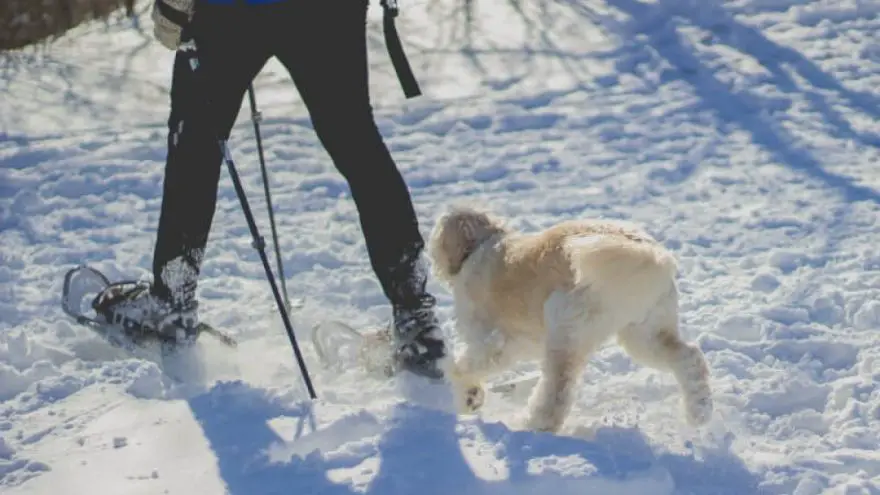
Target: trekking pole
point(257, 117)
point(260, 244)
point(188, 46)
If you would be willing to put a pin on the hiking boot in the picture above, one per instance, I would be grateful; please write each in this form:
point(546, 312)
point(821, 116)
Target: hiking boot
point(418, 338)
point(134, 307)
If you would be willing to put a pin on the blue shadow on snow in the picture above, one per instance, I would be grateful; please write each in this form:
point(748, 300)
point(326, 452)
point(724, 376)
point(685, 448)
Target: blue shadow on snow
point(418, 451)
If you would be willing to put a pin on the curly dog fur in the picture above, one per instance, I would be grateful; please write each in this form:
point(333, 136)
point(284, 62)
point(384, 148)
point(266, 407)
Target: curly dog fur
point(558, 295)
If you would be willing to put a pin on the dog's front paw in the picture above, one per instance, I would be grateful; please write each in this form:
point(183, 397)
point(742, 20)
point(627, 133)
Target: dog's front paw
point(469, 396)
point(473, 398)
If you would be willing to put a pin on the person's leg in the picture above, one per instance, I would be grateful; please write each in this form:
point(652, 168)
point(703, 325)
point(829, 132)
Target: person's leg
point(206, 93)
point(205, 102)
point(324, 48)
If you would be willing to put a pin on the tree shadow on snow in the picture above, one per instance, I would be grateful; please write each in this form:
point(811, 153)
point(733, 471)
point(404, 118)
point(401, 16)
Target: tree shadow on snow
point(420, 450)
point(741, 108)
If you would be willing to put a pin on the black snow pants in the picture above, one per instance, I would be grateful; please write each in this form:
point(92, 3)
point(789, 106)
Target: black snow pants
point(322, 44)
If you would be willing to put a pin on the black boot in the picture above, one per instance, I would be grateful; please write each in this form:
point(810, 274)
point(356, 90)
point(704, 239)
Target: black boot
point(418, 338)
point(134, 307)
point(167, 307)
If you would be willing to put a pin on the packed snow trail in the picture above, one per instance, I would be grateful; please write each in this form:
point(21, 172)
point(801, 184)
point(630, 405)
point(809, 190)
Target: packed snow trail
point(742, 134)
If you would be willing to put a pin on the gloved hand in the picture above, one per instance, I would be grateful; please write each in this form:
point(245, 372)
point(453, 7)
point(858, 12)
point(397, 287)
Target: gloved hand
point(169, 18)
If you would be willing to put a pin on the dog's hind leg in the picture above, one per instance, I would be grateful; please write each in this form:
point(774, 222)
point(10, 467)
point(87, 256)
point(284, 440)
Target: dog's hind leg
point(572, 338)
point(552, 399)
point(662, 348)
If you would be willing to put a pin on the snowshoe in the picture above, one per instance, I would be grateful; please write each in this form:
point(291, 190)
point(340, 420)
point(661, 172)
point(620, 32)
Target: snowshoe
point(82, 281)
point(339, 346)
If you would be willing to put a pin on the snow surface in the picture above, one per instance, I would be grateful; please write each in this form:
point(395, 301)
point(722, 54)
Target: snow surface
point(744, 134)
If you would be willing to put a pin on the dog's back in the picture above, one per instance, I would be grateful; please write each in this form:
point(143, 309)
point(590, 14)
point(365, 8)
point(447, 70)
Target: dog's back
point(525, 269)
point(622, 267)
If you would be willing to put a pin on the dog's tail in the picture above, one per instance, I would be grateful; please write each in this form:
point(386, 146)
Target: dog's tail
point(630, 275)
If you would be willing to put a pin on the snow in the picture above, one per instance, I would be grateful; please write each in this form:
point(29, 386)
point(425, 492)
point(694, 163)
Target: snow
point(742, 134)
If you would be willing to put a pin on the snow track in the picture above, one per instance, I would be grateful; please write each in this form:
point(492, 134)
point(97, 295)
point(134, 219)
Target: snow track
point(742, 134)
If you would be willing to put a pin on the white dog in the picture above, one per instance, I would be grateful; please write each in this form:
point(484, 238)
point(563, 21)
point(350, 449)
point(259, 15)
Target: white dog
point(557, 296)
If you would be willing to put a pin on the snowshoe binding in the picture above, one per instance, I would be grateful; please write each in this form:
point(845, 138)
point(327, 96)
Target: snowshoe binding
point(126, 313)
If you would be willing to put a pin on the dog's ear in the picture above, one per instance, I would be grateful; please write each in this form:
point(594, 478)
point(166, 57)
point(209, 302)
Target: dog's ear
point(456, 235)
point(447, 247)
